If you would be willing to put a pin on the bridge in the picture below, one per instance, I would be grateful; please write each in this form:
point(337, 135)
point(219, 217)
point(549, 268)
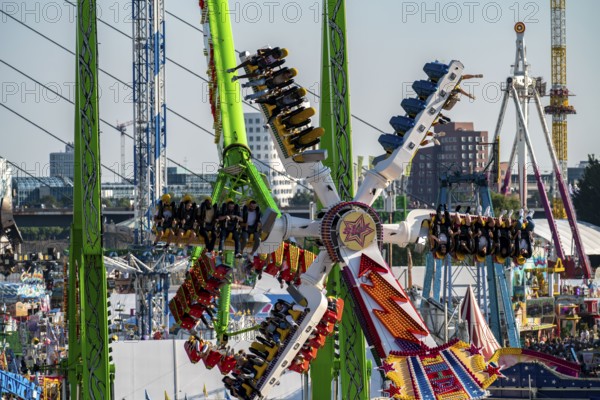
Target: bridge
point(63, 217)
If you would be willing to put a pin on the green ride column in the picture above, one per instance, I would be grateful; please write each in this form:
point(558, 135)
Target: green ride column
point(351, 366)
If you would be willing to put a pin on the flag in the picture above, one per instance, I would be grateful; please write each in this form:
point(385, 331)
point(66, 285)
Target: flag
point(166, 396)
point(226, 395)
point(146, 397)
point(205, 391)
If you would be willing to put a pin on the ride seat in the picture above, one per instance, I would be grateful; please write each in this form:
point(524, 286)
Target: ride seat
point(212, 358)
point(193, 354)
point(205, 298)
point(318, 341)
point(295, 314)
point(227, 364)
point(197, 310)
point(187, 322)
point(260, 370)
point(283, 334)
point(264, 351)
point(324, 328)
point(300, 367)
point(309, 353)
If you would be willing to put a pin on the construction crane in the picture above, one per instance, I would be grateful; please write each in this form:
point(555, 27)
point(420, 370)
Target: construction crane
point(149, 112)
point(122, 127)
point(559, 106)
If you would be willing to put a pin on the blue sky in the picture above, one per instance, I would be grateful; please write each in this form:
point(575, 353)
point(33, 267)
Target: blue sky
point(388, 44)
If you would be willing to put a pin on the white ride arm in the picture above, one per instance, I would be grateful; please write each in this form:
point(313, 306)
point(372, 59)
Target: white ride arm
point(391, 168)
point(316, 303)
point(409, 230)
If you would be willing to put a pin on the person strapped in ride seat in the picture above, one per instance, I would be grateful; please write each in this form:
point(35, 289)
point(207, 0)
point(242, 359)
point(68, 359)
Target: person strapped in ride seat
point(186, 216)
point(165, 211)
point(207, 222)
point(251, 224)
point(268, 58)
point(524, 237)
point(229, 220)
point(440, 239)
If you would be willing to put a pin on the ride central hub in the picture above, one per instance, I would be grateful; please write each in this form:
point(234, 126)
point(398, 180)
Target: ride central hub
point(350, 225)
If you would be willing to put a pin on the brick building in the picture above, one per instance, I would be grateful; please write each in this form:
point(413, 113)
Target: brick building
point(462, 149)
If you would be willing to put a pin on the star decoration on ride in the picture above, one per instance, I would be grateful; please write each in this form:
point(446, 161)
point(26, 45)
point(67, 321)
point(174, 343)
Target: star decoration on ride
point(386, 367)
point(359, 230)
point(393, 391)
point(493, 369)
point(474, 350)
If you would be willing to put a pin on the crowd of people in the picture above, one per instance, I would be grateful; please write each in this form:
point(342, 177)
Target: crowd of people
point(481, 235)
point(570, 348)
point(208, 221)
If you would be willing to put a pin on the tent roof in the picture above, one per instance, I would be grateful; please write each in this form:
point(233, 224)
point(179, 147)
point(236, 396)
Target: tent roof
point(590, 235)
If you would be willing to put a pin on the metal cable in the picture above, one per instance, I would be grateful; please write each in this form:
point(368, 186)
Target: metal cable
point(129, 86)
point(59, 139)
point(309, 91)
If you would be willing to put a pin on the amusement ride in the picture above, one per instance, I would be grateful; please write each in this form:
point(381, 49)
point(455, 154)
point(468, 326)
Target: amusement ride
point(343, 290)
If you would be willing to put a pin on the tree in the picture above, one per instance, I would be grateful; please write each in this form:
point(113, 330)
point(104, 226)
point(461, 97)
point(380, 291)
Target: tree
point(501, 202)
point(301, 199)
point(587, 197)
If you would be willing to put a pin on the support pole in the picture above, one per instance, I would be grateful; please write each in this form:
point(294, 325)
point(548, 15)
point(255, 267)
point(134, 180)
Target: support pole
point(335, 119)
point(89, 369)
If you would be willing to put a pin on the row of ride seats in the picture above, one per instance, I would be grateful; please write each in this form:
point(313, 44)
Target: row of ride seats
point(199, 291)
point(247, 369)
point(324, 328)
point(414, 106)
point(187, 224)
point(464, 234)
point(285, 267)
point(284, 102)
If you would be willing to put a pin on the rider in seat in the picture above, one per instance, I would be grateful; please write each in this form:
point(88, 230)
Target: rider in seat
point(483, 237)
point(268, 58)
point(274, 82)
point(524, 238)
point(229, 219)
point(207, 222)
point(164, 216)
point(186, 216)
point(505, 238)
point(464, 243)
point(440, 237)
point(251, 224)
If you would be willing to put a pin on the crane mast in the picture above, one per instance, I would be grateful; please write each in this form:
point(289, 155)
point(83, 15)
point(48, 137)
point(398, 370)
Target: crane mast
point(149, 111)
point(559, 106)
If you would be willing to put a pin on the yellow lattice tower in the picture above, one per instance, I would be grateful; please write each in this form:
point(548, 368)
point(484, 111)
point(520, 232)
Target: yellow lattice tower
point(559, 106)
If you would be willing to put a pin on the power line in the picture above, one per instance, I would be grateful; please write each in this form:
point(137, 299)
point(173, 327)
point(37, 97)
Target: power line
point(131, 137)
point(59, 139)
point(204, 79)
point(309, 91)
point(129, 86)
